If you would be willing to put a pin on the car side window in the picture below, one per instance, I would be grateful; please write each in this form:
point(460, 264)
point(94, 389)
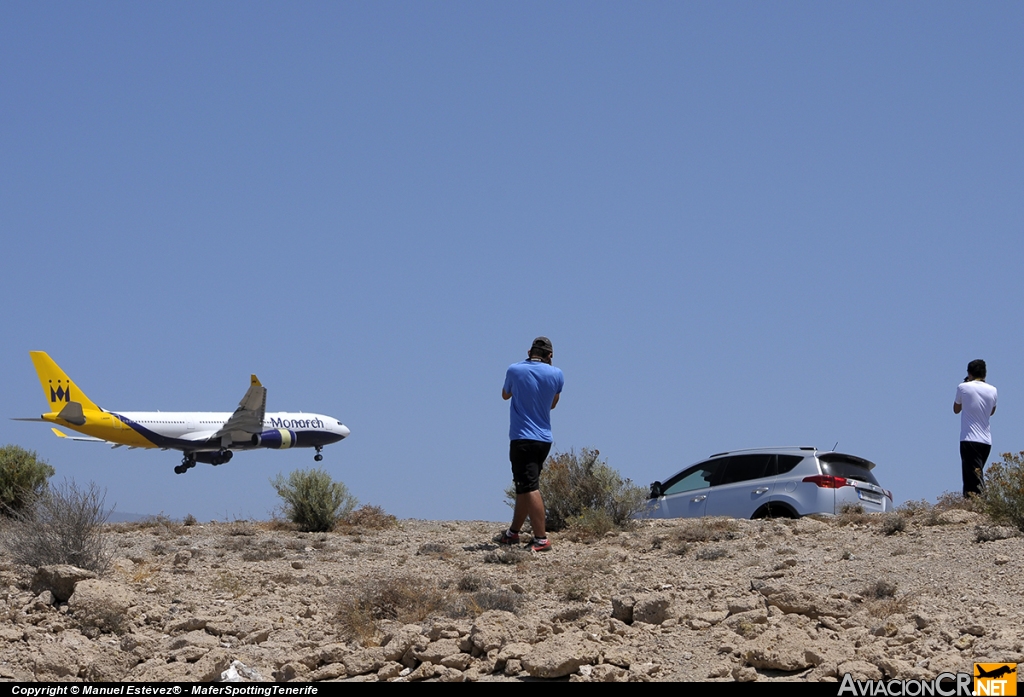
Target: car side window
point(696, 477)
point(742, 468)
point(788, 462)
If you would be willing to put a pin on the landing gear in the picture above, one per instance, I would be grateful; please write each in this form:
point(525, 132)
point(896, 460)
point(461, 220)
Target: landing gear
point(221, 457)
point(318, 457)
point(188, 461)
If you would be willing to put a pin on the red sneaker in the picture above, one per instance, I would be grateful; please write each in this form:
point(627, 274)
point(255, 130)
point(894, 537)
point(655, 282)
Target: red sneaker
point(539, 545)
point(504, 538)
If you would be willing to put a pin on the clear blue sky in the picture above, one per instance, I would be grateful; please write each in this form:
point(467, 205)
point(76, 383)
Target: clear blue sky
point(741, 224)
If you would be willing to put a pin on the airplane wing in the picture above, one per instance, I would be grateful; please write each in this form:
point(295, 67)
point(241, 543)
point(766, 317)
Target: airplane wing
point(248, 417)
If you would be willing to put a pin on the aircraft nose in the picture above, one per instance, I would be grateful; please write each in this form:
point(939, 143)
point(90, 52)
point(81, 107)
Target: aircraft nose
point(343, 430)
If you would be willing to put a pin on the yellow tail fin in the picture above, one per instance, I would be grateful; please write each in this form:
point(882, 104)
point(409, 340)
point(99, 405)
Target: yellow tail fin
point(57, 386)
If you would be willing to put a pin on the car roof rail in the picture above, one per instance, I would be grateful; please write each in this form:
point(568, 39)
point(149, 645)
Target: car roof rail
point(760, 450)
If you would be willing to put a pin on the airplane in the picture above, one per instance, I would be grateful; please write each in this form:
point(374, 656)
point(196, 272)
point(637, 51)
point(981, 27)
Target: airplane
point(208, 437)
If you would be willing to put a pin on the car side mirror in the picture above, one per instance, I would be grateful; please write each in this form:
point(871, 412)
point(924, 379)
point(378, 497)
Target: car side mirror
point(655, 490)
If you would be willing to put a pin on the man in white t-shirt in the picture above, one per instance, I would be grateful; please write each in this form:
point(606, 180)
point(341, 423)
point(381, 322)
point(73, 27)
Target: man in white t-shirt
point(976, 403)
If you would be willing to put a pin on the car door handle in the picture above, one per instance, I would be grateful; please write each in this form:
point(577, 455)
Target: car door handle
point(761, 490)
point(698, 499)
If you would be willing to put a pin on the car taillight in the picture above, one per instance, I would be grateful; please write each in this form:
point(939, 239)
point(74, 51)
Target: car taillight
point(888, 493)
point(828, 481)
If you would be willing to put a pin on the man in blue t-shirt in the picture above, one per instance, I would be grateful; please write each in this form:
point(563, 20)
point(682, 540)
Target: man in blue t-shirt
point(533, 386)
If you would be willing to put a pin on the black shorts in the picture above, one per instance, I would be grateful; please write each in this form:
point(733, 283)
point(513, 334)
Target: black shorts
point(527, 457)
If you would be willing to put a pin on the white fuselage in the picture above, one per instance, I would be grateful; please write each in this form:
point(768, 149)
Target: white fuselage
point(181, 429)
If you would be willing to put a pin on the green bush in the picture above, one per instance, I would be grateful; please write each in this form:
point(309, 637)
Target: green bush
point(582, 490)
point(312, 500)
point(1002, 495)
point(64, 525)
point(22, 478)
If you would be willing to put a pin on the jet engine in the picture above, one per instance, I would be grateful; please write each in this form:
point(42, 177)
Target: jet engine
point(278, 438)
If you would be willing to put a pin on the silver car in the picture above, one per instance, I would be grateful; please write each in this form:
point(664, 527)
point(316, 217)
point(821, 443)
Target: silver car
point(769, 482)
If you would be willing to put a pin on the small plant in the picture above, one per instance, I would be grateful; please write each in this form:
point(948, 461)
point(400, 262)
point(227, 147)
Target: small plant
point(1003, 491)
point(63, 526)
point(572, 484)
point(470, 583)
point(576, 587)
point(370, 518)
point(23, 478)
point(229, 583)
point(312, 500)
point(953, 500)
point(405, 599)
point(189, 520)
point(712, 553)
point(433, 549)
point(592, 524)
point(482, 601)
point(893, 523)
point(511, 555)
point(987, 533)
point(263, 552)
point(880, 590)
point(706, 530)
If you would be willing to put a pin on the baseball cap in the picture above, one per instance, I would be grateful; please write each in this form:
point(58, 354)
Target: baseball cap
point(542, 343)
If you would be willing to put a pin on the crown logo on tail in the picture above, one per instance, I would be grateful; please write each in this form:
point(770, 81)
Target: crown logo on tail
point(60, 394)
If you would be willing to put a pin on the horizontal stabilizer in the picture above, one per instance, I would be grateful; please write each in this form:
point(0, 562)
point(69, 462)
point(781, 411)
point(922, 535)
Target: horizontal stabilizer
point(85, 438)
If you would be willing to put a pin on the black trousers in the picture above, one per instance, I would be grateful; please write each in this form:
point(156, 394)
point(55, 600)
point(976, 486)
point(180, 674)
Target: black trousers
point(973, 457)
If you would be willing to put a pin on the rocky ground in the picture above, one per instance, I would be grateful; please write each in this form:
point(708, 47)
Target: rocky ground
point(670, 600)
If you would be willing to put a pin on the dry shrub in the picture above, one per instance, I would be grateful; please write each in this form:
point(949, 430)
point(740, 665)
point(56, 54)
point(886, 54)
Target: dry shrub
point(312, 500)
point(853, 514)
point(1003, 491)
point(914, 509)
point(990, 533)
point(880, 590)
point(484, 600)
point(952, 500)
point(62, 526)
point(898, 605)
point(576, 587)
point(161, 548)
point(706, 530)
point(404, 599)
point(435, 550)
point(242, 528)
point(470, 583)
point(227, 582)
point(712, 553)
point(263, 552)
point(370, 518)
point(510, 555)
point(157, 524)
point(106, 617)
point(893, 523)
point(885, 601)
point(591, 525)
point(571, 485)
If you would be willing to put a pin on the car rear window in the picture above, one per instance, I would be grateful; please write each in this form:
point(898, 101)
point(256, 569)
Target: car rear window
point(848, 466)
